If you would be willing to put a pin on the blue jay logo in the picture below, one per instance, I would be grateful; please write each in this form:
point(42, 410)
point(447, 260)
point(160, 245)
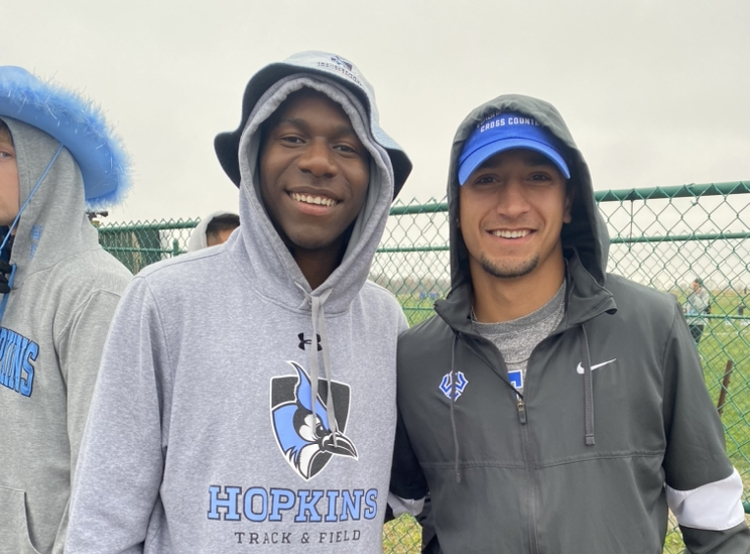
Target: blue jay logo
point(446, 385)
point(304, 434)
point(342, 62)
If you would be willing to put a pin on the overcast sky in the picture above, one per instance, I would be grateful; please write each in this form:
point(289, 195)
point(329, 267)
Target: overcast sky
point(656, 93)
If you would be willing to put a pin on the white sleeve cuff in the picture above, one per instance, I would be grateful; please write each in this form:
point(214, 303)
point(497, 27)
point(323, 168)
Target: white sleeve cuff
point(714, 506)
point(405, 505)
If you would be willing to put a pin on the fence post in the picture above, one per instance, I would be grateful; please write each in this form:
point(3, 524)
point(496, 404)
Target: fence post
point(724, 386)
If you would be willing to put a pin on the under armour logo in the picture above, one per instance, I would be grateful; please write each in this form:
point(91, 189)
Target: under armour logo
point(303, 341)
point(446, 385)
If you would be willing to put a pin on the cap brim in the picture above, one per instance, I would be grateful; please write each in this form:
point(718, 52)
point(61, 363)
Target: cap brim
point(479, 156)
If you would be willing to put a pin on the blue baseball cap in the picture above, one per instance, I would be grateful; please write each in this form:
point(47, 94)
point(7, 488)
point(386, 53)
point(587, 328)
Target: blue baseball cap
point(506, 131)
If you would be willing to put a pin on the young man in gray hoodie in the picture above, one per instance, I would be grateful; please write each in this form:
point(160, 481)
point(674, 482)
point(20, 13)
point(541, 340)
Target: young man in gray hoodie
point(247, 394)
point(59, 292)
point(550, 406)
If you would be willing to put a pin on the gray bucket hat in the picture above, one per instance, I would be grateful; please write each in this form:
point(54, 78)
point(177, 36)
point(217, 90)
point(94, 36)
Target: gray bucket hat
point(320, 63)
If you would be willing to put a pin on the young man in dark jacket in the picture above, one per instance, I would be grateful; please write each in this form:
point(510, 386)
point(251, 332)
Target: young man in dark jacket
point(550, 406)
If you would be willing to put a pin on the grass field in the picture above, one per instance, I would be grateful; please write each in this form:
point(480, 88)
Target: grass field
point(726, 337)
point(402, 536)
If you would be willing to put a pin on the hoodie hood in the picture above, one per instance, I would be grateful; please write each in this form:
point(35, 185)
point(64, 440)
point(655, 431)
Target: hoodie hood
point(74, 122)
point(198, 239)
point(587, 231)
point(278, 275)
point(585, 243)
point(68, 158)
point(273, 271)
point(322, 64)
point(53, 224)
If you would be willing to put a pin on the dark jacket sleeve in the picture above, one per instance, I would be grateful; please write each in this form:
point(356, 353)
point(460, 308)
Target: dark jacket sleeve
point(703, 489)
point(407, 479)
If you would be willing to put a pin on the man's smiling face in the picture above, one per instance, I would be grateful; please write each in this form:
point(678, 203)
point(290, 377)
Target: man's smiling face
point(314, 172)
point(512, 209)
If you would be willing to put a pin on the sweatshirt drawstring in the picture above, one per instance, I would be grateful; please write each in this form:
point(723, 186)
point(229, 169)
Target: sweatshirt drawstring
point(12, 276)
point(454, 378)
point(588, 389)
point(319, 329)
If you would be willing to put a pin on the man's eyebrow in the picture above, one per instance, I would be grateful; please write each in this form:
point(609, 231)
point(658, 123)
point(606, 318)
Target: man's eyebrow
point(536, 159)
point(532, 159)
point(338, 131)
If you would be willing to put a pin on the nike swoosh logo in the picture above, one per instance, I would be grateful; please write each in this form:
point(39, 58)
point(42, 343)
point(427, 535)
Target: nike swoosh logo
point(579, 369)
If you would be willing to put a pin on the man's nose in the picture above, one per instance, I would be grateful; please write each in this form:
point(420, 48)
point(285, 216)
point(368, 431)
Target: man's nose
point(318, 160)
point(512, 200)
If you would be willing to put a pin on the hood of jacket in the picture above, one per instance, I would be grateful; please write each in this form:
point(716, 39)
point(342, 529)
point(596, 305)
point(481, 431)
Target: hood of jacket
point(272, 269)
point(321, 64)
point(198, 239)
point(53, 225)
point(587, 231)
point(585, 243)
point(260, 252)
point(69, 158)
point(75, 123)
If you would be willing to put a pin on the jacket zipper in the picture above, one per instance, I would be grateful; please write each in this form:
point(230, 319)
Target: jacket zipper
point(530, 472)
point(527, 455)
point(521, 409)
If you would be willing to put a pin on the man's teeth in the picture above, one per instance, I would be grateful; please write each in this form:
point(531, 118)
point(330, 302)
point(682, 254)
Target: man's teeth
point(510, 234)
point(309, 199)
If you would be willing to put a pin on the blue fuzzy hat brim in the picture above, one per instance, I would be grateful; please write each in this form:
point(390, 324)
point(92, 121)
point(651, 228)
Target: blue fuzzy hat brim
point(76, 123)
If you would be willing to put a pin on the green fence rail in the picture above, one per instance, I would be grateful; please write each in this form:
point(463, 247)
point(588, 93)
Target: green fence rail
point(662, 237)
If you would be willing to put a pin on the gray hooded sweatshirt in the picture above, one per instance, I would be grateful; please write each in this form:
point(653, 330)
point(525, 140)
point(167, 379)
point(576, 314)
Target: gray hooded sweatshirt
point(52, 333)
point(202, 437)
point(198, 239)
point(614, 424)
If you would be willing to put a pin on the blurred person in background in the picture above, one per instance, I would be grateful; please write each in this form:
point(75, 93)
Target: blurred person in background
point(696, 305)
point(212, 230)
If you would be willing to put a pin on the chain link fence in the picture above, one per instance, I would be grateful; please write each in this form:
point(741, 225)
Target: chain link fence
point(662, 237)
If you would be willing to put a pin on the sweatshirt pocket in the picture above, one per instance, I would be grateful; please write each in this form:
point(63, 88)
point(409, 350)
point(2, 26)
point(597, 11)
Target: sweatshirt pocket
point(14, 529)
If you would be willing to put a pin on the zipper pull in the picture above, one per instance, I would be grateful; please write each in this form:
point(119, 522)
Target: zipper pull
point(521, 410)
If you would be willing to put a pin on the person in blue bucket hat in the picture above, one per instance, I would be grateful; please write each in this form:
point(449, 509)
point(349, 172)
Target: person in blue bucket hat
point(59, 292)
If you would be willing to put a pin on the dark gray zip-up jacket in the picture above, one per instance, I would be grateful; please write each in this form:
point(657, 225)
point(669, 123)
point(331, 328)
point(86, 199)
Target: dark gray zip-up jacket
point(615, 423)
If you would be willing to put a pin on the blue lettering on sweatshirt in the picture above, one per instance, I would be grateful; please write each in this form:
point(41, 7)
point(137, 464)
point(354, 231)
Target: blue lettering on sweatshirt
point(228, 503)
point(259, 497)
point(16, 356)
point(352, 506)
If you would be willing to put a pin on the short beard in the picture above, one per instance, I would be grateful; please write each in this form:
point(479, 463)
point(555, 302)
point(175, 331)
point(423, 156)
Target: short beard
point(508, 271)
